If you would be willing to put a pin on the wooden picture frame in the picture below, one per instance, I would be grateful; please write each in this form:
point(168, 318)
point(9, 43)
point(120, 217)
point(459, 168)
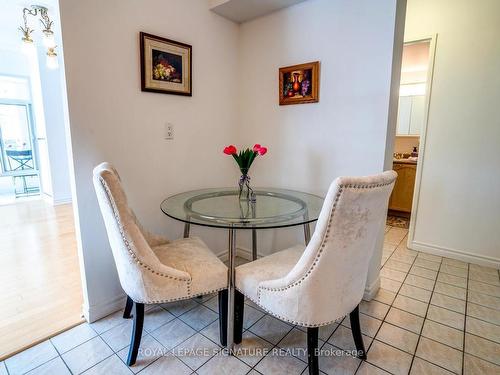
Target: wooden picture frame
point(299, 84)
point(166, 65)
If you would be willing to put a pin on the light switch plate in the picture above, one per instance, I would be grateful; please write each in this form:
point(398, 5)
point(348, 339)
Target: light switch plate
point(169, 131)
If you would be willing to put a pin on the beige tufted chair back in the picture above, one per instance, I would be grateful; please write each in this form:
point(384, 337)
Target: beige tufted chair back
point(138, 267)
point(329, 279)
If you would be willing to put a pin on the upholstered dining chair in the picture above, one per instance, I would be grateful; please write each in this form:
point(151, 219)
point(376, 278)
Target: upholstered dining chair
point(326, 281)
point(152, 269)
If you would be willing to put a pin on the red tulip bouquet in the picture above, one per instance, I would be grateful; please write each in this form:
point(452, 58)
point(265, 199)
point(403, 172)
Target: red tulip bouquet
point(244, 159)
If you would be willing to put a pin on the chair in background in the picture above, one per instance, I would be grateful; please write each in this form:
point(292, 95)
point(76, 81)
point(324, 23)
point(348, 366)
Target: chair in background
point(326, 281)
point(152, 269)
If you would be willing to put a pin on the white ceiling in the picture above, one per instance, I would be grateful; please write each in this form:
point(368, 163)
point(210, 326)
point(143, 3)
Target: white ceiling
point(245, 10)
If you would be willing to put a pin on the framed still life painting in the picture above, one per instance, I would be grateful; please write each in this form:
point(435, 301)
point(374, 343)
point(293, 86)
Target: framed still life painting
point(165, 65)
point(299, 84)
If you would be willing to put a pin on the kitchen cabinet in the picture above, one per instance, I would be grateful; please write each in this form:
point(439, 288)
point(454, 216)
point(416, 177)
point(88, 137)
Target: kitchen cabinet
point(402, 196)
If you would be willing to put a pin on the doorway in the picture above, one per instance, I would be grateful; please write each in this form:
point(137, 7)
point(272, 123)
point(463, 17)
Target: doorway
point(414, 97)
point(19, 176)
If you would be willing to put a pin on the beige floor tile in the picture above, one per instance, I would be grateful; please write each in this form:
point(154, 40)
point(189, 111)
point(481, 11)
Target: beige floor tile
point(296, 343)
point(167, 365)
point(483, 313)
point(118, 337)
point(420, 282)
point(179, 307)
point(368, 369)
point(398, 337)
point(111, 365)
point(455, 271)
point(484, 300)
point(398, 266)
point(439, 354)
point(410, 305)
point(385, 296)
point(483, 269)
point(482, 348)
point(450, 290)
point(426, 264)
point(324, 331)
point(108, 322)
point(395, 235)
point(392, 274)
point(333, 362)
point(173, 333)
point(86, 355)
point(31, 358)
point(196, 350)
point(212, 332)
point(73, 337)
point(452, 280)
point(483, 329)
point(55, 366)
point(369, 325)
point(149, 351)
point(402, 258)
point(390, 285)
point(199, 317)
point(252, 348)
point(414, 292)
point(271, 329)
point(488, 289)
point(455, 263)
point(250, 316)
point(448, 302)
point(421, 367)
point(443, 334)
point(476, 366)
point(483, 277)
point(431, 257)
point(446, 317)
point(403, 249)
point(156, 317)
point(280, 364)
point(342, 338)
point(423, 272)
point(405, 320)
point(389, 358)
point(222, 365)
point(374, 308)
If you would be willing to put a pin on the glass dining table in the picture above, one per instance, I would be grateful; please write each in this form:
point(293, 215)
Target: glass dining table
point(223, 208)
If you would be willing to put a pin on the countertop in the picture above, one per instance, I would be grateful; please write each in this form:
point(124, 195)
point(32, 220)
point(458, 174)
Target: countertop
point(404, 161)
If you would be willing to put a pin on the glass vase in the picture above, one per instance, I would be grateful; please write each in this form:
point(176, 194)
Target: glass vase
point(246, 192)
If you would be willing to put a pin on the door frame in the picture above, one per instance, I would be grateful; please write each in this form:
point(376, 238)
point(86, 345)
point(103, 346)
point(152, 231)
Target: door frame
point(423, 133)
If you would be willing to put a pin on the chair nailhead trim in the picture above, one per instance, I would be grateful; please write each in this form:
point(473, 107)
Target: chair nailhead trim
point(302, 324)
point(127, 243)
point(180, 298)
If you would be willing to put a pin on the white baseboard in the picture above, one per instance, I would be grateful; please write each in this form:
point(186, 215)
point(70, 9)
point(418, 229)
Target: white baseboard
point(371, 290)
point(455, 254)
point(96, 312)
point(240, 252)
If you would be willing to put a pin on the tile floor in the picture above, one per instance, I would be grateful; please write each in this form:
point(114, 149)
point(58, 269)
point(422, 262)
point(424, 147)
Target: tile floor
point(432, 315)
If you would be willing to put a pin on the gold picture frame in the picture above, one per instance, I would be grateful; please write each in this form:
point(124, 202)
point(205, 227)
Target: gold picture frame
point(299, 84)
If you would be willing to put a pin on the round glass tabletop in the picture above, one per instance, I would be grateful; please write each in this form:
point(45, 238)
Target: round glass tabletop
point(222, 208)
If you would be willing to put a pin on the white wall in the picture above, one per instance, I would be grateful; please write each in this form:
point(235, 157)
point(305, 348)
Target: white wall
point(234, 101)
point(347, 131)
point(458, 210)
point(112, 120)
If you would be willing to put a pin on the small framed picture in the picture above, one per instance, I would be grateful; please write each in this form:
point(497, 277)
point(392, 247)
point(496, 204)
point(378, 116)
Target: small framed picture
point(299, 84)
point(165, 65)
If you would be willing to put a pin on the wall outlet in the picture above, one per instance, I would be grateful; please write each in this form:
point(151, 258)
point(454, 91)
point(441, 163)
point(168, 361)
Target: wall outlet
point(169, 131)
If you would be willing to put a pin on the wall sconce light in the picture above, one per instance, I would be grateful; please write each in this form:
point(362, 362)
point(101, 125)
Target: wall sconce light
point(48, 35)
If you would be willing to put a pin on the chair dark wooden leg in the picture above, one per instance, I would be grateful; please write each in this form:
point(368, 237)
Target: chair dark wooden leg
point(136, 333)
point(223, 317)
point(356, 333)
point(312, 350)
point(239, 311)
point(128, 308)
